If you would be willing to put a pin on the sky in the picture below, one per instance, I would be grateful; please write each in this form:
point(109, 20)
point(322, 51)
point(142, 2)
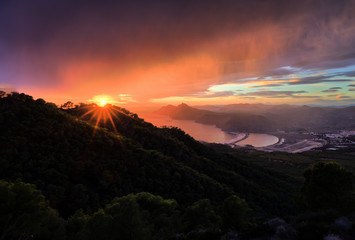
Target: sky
point(149, 53)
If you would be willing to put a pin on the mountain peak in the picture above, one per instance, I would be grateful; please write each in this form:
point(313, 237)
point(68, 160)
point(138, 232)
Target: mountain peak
point(183, 105)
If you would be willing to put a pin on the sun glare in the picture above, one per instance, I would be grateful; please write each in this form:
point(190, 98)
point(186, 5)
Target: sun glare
point(102, 102)
point(103, 111)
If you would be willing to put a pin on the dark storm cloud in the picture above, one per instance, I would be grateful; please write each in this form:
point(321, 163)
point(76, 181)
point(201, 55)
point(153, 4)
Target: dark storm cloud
point(350, 74)
point(332, 89)
point(267, 85)
point(278, 94)
point(108, 27)
point(317, 79)
point(281, 72)
point(268, 93)
point(298, 81)
point(347, 74)
point(39, 38)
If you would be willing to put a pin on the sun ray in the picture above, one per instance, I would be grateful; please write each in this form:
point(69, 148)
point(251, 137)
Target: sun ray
point(113, 113)
point(95, 114)
point(112, 123)
point(122, 112)
point(100, 114)
point(92, 110)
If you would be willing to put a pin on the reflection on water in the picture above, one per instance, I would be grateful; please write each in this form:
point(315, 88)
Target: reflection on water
point(259, 140)
point(208, 133)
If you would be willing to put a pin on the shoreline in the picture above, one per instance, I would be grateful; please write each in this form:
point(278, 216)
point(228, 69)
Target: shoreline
point(292, 142)
point(240, 137)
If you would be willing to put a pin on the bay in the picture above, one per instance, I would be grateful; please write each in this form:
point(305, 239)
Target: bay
point(209, 133)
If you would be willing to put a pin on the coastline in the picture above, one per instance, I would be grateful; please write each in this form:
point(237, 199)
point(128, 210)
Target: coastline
point(292, 142)
point(240, 137)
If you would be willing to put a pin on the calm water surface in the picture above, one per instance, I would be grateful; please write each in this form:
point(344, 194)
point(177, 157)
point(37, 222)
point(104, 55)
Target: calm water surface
point(209, 133)
point(259, 140)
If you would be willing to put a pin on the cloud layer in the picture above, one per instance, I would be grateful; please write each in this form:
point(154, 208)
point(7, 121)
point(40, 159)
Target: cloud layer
point(159, 49)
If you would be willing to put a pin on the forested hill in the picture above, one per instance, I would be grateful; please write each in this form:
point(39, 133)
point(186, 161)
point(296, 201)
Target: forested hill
point(81, 159)
point(111, 175)
point(77, 165)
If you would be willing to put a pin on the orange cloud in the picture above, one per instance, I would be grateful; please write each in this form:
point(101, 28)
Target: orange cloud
point(184, 75)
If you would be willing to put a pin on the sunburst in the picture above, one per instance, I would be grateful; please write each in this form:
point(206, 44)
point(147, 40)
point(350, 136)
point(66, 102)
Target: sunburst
point(104, 113)
point(102, 100)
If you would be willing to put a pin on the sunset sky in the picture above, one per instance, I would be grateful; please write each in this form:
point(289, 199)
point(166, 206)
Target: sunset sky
point(142, 53)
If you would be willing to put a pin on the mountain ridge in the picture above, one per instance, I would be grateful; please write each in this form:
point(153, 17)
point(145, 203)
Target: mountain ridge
point(266, 118)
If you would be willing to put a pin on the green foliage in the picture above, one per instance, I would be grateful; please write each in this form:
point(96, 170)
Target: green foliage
point(135, 216)
point(235, 213)
point(161, 215)
point(24, 213)
point(147, 216)
point(201, 215)
point(315, 225)
point(328, 186)
point(120, 220)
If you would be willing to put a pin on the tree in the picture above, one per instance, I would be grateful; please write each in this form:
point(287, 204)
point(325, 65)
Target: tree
point(328, 186)
point(201, 215)
point(162, 215)
point(40, 101)
point(119, 220)
point(235, 213)
point(25, 214)
point(68, 105)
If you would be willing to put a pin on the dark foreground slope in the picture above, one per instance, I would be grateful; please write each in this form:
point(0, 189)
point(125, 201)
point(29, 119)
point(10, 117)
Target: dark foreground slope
point(123, 178)
point(79, 166)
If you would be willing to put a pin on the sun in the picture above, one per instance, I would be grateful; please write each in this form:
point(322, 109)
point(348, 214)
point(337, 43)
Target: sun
point(102, 102)
point(103, 111)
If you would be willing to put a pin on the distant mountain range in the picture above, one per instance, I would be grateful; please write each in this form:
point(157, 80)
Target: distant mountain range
point(265, 118)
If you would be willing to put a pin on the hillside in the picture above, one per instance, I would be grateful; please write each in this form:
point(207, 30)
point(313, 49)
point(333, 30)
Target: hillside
point(66, 157)
point(110, 174)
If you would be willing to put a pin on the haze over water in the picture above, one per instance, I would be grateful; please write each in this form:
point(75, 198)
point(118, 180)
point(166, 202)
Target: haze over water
point(209, 133)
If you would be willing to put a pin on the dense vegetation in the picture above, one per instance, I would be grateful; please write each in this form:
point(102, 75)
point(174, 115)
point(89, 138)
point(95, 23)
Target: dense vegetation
point(125, 178)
